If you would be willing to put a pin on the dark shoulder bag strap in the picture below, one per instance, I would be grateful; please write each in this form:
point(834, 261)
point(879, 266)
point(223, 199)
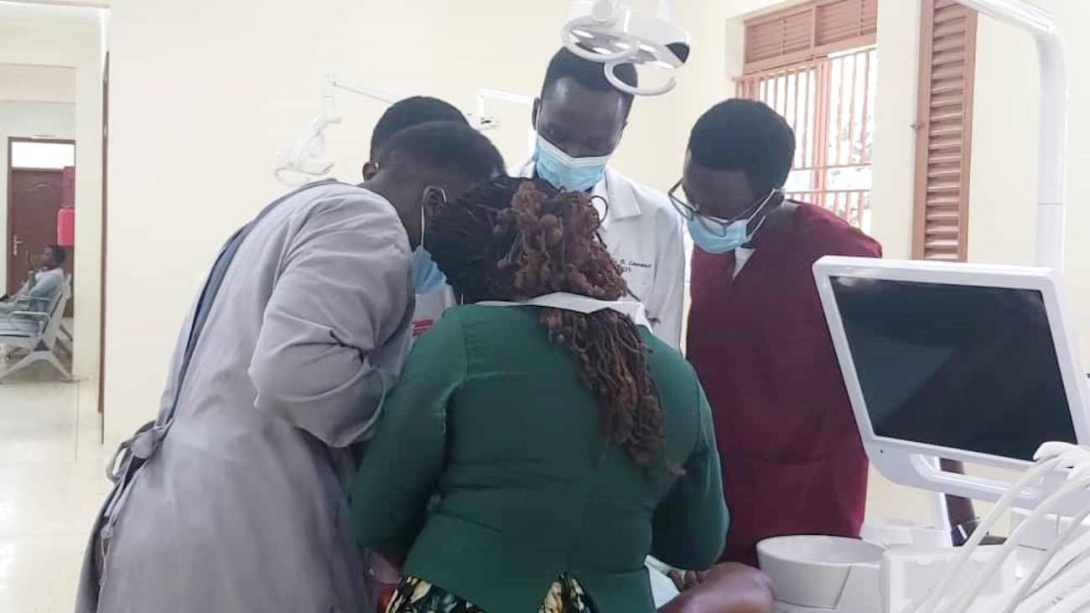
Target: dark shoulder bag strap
point(133, 452)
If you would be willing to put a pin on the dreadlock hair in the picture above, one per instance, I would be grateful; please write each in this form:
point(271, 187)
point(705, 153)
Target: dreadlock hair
point(517, 239)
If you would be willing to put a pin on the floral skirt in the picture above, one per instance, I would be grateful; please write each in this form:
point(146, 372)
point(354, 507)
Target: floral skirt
point(417, 596)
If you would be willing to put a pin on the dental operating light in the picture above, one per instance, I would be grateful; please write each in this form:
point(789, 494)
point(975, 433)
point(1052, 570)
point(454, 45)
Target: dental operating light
point(612, 33)
point(308, 160)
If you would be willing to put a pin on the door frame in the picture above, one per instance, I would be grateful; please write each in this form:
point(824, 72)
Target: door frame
point(103, 250)
point(10, 170)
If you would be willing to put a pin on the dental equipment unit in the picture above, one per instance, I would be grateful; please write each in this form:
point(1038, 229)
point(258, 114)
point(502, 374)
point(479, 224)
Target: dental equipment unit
point(924, 385)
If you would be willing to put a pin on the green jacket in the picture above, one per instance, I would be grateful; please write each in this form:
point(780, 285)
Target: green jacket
point(491, 417)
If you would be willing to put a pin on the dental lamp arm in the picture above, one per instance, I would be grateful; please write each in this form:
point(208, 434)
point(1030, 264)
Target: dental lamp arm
point(495, 94)
point(374, 93)
point(1052, 138)
point(306, 160)
point(480, 118)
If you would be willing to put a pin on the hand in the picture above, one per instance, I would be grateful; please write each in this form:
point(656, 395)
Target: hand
point(726, 588)
point(383, 571)
point(687, 579)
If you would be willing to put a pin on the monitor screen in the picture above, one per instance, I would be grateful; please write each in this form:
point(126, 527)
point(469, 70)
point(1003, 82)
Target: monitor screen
point(962, 367)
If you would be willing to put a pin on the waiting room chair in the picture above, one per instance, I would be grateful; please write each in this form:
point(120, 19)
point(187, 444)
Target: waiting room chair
point(34, 334)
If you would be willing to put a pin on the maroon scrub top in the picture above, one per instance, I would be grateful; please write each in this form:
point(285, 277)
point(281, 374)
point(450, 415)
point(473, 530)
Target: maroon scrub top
point(792, 459)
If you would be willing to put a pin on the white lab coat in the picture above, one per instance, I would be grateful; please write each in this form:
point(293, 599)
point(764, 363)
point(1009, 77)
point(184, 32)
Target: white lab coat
point(644, 235)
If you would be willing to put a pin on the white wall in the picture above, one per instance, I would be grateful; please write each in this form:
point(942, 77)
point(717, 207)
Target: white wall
point(27, 119)
point(1003, 176)
point(71, 37)
point(894, 137)
point(65, 3)
point(30, 83)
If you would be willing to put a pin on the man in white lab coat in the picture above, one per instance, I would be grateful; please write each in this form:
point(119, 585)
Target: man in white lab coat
point(235, 498)
point(579, 119)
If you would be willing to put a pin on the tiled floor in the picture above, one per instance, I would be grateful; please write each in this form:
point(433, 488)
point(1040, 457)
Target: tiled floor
point(52, 480)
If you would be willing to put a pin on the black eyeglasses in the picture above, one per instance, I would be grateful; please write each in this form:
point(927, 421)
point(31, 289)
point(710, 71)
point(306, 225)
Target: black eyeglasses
point(690, 211)
point(681, 202)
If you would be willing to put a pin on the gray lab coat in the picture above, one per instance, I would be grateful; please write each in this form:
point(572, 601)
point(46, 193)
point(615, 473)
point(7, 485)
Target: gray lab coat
point(243, 506)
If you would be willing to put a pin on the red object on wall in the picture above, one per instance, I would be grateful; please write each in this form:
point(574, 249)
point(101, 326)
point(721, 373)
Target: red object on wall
point(68, 187)
point(66, 216)
point(66, 227)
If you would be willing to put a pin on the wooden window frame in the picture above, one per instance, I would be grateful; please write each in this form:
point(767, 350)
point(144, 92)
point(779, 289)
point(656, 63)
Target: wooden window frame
point(861, 33)
point(800, 86)
point(926, 222)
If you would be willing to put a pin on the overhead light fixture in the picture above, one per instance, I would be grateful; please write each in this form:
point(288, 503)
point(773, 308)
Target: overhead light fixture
point(612, 33)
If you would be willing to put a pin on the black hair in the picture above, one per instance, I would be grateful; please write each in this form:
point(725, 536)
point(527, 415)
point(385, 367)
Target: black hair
point(445, 146)
point(746, 136)
point(591, 75)
point(411, 112)
point(60, 254)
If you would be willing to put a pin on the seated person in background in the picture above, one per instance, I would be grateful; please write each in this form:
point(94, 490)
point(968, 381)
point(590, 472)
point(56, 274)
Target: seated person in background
point(563, 442)
point(43, 285)
point(792, 459)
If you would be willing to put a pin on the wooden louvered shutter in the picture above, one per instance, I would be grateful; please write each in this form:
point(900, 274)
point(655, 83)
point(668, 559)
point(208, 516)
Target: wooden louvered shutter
point(944, 130)
point(808, 31)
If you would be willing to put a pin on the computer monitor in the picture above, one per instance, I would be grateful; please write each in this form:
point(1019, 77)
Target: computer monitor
point(957, 361)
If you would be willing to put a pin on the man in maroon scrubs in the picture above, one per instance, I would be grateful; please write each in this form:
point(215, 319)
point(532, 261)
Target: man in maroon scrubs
point(792, 459)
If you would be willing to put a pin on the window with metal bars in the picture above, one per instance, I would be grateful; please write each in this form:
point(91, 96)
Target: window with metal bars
point(816, 64)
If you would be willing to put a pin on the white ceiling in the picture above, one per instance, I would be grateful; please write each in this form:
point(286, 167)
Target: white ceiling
point(76, 3)
point(48, 14)
point(28, 83)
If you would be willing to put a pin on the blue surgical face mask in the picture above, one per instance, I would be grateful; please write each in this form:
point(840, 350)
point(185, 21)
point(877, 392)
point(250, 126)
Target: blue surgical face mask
point(562, 171)
point(717, 236)
point(427, 277)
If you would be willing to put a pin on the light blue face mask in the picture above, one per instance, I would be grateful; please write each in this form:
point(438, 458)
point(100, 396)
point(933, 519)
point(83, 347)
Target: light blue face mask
point(717, 236)
point(427, 277)
point(562, 171)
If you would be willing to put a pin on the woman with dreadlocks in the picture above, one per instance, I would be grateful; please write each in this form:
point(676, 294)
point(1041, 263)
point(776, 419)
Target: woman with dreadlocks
point(532, 456)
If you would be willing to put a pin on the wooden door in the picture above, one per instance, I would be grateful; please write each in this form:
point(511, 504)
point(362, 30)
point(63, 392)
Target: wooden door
point(35, 196)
